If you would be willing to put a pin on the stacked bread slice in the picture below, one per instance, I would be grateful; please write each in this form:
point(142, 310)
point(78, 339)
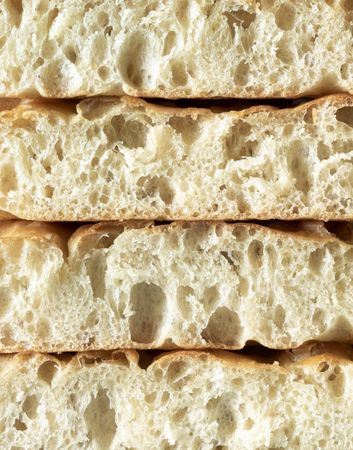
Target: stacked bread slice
point(182, 400)
point(176, 48)
point(104, 159)
point(188, 285)
point(254, 319)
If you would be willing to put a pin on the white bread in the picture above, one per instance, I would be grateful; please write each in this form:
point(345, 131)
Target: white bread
point(115, 159)
point(183, 400)
point(192, 285)
point(175, 48)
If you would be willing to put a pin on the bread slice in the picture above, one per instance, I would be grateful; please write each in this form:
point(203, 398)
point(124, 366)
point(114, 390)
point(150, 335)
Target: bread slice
point(176, 48)
point(191, 285)
point(186, 400)
point(112, 159)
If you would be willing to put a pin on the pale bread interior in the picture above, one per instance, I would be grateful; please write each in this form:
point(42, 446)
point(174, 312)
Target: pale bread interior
point(126, 159)
point(188, 285)
point(184, 400)
point(177, 48)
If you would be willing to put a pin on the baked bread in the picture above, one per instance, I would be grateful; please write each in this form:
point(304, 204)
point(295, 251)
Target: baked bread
point(182, 400)
point(176, 48)
point(111, 159)
point(192, 285)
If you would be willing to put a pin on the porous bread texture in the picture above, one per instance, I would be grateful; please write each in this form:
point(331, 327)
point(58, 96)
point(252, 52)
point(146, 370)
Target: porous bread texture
point(192, 285)
point(175, 48)
point(184, 400)
point(115, 159)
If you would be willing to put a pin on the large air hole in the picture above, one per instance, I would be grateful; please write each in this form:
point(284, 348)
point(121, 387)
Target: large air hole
point(70, 54)
point(336, 382)
point(48, 50)
point(103, 72)
point(285, 17)
point(152, 186)
point(166, 192)
point(243, 286)
point(132, 133)
point(241, 73)
point(100, 421)
point(210, 298)
point(279, 317)
point(176, 371)
point(38, 63)
point(318, 319)
point(323, 366)
point(5, 300)
point(52, 14)
point(8, 179)
point(323, 151)
point(220, 408)
point(103, 19)
point(169, 42)
point(43, 329)
point(187, 127)
point(316, 260)
point(345, 71)
point(182, 12)
point(132, 60)
point(48, 191)
point(309, 116)
point(30, 406)
point(298, 166)
point(284, 52)
point(223, 328)
point(96, 266)
point(345, 115)
point(150, 398)
point(148, 303)
point(237, 144)
point(16, 10)
point(240, 18)
point(19, 425)
point(343, 328)
point(17, 4)
point(179, 74)
point(255, 254)
point(179, 415)
point(165, 398)
point(47, 371)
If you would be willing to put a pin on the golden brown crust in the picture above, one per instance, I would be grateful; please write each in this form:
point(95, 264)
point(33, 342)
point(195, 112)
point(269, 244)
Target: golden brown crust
point(226, 358)
point(316, 352)
point(52, 234)
point(6, 216)
point(298, 231)
point(9, 103)
point(75, 106)
point(77, 360)
point(57, 234)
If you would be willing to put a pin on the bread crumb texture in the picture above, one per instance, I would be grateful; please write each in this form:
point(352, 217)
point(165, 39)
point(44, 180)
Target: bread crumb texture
point(114, 159)
point(174, 48)
point(185, 400)
point(191, 285)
